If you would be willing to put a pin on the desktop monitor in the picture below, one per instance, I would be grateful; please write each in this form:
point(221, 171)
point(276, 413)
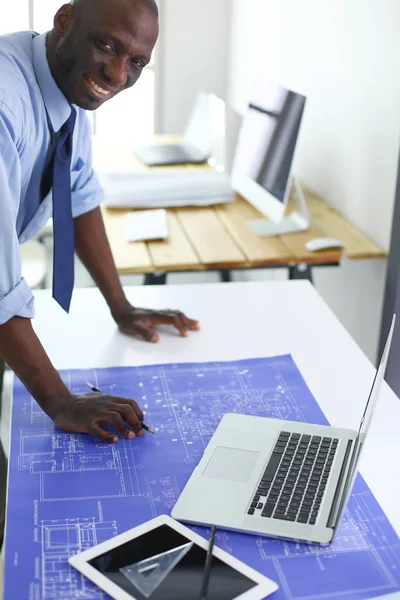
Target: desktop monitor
point(262, 166)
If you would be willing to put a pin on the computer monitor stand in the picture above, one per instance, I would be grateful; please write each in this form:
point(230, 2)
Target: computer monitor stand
point(297, 220)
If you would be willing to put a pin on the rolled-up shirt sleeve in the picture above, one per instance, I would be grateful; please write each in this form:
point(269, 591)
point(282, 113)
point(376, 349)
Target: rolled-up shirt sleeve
point(16, 298)
point(87, 192)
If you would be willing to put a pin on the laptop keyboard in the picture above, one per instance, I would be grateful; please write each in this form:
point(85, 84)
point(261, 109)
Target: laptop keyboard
point(294, 481)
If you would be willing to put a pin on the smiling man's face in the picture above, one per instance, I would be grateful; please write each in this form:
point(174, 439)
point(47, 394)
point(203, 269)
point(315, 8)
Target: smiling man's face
point(101, 48)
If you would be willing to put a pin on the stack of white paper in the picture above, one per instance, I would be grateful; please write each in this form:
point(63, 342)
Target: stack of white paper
point(163, 188)
point(147, 225)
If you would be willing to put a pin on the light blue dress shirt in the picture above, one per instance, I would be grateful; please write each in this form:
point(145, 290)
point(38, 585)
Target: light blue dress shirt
point(30, 100)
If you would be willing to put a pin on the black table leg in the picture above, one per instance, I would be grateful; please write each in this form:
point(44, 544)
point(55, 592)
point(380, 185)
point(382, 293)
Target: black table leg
point(155, 279)
point(301, 271)
point(225, 275)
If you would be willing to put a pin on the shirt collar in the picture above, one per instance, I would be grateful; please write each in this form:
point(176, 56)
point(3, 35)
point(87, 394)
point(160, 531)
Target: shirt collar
point(57, 106)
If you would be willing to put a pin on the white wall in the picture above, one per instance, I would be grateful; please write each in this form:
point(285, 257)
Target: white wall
point(345, 56)
point(193, 53)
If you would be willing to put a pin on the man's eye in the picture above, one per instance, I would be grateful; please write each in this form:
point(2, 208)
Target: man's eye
point(137, 64)
point(106, 46)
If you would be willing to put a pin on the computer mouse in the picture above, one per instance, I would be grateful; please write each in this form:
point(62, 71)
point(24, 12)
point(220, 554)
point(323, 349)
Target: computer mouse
point(322, 243)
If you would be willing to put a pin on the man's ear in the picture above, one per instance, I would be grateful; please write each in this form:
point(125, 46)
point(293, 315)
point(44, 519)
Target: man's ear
point(63, 19)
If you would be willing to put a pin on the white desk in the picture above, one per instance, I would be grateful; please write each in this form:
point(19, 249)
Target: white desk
point(241, 320)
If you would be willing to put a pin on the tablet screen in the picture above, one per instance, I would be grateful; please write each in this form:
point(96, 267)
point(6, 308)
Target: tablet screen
point(162, 564)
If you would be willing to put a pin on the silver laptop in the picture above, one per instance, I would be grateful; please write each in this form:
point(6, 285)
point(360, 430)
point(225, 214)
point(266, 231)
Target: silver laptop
point(277, 478)
point(202, 133)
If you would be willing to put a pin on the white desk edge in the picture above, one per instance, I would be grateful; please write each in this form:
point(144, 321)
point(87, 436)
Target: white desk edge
point(241, 320)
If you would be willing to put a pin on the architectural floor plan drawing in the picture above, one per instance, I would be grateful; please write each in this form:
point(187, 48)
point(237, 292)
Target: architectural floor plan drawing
point(68, 492)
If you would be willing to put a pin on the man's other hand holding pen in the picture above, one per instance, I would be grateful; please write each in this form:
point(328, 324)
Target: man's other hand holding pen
point(94, 389)
point(86, 413)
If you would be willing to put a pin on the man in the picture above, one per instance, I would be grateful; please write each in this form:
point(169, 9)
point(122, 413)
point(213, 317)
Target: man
point(97, 49)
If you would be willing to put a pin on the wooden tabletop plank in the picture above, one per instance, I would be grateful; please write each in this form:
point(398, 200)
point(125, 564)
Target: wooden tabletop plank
point(357, 245)
point(176, 253)
point(296, 243)
point(259, 251)
point(210, 239)
point(316, 206)
point(129, 257)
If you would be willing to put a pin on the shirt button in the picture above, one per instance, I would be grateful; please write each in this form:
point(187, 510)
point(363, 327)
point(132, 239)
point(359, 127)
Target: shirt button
point(23, 239)
point(41, 209)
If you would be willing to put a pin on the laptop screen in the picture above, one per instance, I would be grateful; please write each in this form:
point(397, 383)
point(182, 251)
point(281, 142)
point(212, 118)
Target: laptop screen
point(376, 386)
point(362, 431)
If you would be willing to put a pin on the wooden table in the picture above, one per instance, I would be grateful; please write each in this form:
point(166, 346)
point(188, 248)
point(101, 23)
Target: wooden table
point(218, 238)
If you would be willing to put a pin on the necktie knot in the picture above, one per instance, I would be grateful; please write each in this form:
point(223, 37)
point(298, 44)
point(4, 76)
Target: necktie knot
point(69, 124)
point(64, 144)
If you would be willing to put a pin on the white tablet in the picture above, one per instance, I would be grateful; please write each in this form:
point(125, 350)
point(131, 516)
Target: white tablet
point(164, 560)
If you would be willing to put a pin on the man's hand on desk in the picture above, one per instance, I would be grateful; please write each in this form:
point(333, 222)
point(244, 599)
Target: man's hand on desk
point(140, 322)
point(85, 414)
point(94, 251)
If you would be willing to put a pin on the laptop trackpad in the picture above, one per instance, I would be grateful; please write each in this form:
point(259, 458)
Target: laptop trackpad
point(231, 464)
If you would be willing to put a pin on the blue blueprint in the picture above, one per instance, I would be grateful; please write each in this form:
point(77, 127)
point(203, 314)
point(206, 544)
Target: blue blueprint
point(68, 492)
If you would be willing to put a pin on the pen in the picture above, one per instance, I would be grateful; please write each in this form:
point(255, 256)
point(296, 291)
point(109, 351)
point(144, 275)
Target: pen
point(94, 389)
point(207, 566)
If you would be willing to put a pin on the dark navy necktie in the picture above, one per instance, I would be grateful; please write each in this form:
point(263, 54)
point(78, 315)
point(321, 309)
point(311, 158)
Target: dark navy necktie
point(63, 226)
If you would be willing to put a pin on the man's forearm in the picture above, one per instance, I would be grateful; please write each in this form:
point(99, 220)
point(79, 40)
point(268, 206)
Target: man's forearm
point(22, 351)
point(93, 249)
